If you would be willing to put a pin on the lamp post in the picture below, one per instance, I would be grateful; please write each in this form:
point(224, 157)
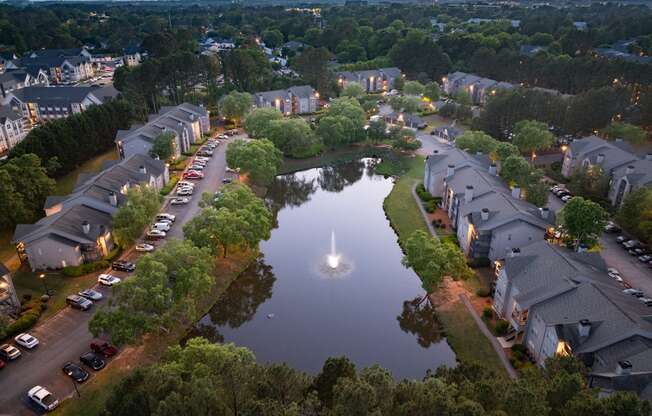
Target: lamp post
point(45, 286)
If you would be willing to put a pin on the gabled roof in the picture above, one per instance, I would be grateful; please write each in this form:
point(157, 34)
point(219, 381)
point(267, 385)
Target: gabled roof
point(642, 174)
point(7, 113)
point(53, 95)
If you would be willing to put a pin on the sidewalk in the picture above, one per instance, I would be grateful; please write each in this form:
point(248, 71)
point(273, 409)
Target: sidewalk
point(465, 300)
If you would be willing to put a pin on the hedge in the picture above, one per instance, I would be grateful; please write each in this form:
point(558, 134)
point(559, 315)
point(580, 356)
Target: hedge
point(76, 271)
point(27, 319)
point(170, 186)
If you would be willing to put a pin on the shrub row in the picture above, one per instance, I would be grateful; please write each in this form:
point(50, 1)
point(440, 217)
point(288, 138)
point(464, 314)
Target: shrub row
point(76, 271)
point(170, 186)
point(27, 319)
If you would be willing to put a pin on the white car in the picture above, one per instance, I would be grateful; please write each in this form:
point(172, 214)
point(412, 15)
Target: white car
point(161, 226)
point(9, 352)
point(108, 280)
point(155, 234)
point(179, 201)
point(185, 191)
point(42, 397)
point(144, 247)
point(185, 184)
point(26, 340)
point(166, 216)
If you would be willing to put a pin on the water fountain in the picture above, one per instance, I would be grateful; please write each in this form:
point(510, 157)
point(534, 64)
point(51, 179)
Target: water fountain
point(335, 264)
point(333, 258)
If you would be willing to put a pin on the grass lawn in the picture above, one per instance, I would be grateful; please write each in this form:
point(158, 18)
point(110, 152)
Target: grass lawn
point(97, 390)
point(464, 336)
point(66, 183)
point(27, 282)
point(401, 207)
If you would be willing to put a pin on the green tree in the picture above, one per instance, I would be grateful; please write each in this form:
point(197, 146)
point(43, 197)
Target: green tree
point(418, 53)
point(293, 137)
point(504, 150)
point(259, 159)
point(135, 213)
point(432, 91)
point(432, 260)
point(235, 106)
point(213, 228)
point(413, 88)
point(164, 146)
point(353, 90)
point(629, 132)
point(583, 220)
point(353, 397)
point(246, 68)
point(257, 121)
point(635, 214)
point(334, 370)
point(31, 186)
point(313, 67)
point(273, 38)
point(476, 141)
point(532, 136)
point(377, 130)
point(515, 170)
point(591, 183)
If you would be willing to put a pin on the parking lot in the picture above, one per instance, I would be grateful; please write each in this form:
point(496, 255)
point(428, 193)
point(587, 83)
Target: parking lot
point(65, 336)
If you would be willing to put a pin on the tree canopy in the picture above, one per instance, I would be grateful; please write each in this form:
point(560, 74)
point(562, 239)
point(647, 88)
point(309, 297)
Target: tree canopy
point(531, 136)
point(626, 131)
point(635, 215)
point(257, 121)
point(136, 212)
point(258, 159)
point(583, 220)
point(235, 106)
point(164, 146)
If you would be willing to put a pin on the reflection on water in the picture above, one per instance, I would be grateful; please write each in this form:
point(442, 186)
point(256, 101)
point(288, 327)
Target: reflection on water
point(286, 311)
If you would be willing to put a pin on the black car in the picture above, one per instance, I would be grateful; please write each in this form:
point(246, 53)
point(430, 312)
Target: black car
point(92, 360)
point(641, 251)
point(75, 372)
point(123, 266)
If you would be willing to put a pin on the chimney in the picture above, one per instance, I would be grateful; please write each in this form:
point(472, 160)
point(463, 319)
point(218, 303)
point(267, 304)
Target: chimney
point(492, 169)
point(468, 194)
point(545, 212)
point(113, 199)
point(648, 156)
point(515, 252)
point(86, 227)
point(629, 170)
point(192, 117)
point(600, 158)
point(450, 171)
point(142, 169)
point(516, 192)
point(435, 152)
point(584, 328)
point(624, 367)
point(484, 214)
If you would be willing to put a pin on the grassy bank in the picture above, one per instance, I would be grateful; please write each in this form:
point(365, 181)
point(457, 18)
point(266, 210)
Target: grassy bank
point(330, 157)
point(66, 183)
point(96, 391)
point(466, 339)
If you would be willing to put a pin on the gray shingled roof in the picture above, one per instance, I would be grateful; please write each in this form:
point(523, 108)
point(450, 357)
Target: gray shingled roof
point(53, 95)
point(7, 113)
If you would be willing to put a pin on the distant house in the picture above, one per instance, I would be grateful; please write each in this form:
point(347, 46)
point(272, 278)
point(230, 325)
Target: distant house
point(581, 26)
point(12, 130)
point(186, 122)
point(132, 56)
point(412, 121)
point(61, 65)
point(627, 171)
point(478, 88)
point(77, 227)
point(611, 53)
point(294, 100)
point(448, 133)
point(39, 104)
point(373, 80)
point(490, 220)
point(15, 79)
point(477, 21)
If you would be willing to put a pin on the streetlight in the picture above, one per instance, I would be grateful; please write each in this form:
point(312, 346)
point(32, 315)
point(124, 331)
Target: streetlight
point(45, 286)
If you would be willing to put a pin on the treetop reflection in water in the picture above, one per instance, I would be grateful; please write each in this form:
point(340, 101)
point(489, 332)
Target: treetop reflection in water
point(284, 311)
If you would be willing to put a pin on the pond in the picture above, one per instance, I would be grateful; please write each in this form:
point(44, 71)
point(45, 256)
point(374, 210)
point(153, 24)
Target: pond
point(292, 306)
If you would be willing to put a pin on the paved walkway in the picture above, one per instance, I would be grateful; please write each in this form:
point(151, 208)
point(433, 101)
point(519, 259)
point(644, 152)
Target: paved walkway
point(465, 299)
point(494, 342)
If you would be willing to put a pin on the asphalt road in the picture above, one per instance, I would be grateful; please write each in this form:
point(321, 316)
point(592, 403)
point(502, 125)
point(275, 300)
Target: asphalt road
point(65, 336)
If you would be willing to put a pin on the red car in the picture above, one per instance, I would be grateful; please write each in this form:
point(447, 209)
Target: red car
point(193, 175)
point(104, 348)
point(2, 364)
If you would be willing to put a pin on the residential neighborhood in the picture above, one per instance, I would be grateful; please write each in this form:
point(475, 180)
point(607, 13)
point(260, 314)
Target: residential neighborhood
point(343, 208)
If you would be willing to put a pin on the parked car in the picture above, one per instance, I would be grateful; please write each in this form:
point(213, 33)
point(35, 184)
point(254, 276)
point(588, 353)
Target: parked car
point(166, 216)
point(227, 180)
point(611, 227)
point(92, 360)
point(631, 244)
point(621, 239)
point(144, 247)
point(197, 167)
point(104, 348)
point(91, 294)
point(108, 279)
point(8, 352)
point(634, 292)
point(193, 174)
point(566, 198)
point(2, 364)
point(645, 258)
point(78, 302)
point(186, 184)
point(184, 191)
point(179, 201)
point(161, 226)
point(42, 397)
point(26, 340)
point(646, 301)
point(155, 234)
point(75, 372)
point(123, 266)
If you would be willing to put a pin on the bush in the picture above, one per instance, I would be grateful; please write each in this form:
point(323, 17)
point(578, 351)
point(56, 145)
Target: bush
point(430, 206)
point(450, 239)
point(170, 186)
point(113, 254)
point(519, 348)
point(501, 327)
point(76, 271)
point(487, 313)
point(27, 320)
point(479, 262)
point(483, 292)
